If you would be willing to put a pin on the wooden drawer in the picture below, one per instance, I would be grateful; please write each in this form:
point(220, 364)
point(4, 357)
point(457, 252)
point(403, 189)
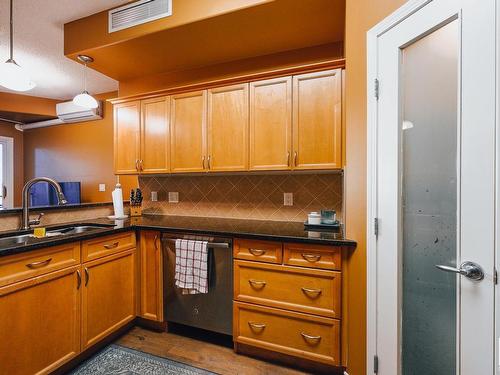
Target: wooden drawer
point(23, 266)
point(315, 256)
point(262, 251)
point(103, 246)
point(291, 288)
point(306, 336)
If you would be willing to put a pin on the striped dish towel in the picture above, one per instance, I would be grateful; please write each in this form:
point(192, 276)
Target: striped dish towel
point(191, 266)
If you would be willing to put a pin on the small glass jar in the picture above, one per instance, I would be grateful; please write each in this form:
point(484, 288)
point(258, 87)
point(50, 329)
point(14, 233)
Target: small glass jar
point(328, 217)
point(314, 218)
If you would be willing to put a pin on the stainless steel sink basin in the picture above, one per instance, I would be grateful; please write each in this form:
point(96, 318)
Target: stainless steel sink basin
point(27, 238)
point(77, 229)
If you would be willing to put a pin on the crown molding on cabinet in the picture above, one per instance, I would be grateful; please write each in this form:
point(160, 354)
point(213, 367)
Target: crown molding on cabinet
point(307, 68)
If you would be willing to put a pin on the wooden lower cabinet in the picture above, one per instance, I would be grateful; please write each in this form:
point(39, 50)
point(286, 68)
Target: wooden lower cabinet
point(301, 335)
point(109, 296)
point(40, 323)
point(290, 302)
point(151, 276)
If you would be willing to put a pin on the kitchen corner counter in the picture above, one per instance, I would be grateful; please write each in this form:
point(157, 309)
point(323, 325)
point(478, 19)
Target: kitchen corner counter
point(251, 229)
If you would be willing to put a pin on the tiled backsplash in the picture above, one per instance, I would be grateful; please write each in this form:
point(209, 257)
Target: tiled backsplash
point(244, 196)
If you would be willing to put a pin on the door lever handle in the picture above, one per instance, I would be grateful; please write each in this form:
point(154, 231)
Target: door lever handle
point(470, 270)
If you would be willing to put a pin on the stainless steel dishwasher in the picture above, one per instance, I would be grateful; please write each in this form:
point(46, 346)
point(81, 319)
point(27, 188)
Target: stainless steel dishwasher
point(212, 311)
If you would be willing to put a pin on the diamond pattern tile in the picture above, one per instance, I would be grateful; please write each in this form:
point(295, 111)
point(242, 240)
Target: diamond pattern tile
point(244, 196)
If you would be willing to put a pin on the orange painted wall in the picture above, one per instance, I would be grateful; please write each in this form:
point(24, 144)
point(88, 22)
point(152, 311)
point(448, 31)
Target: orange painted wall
point(8, 130)
point(252, 65)
point(76, 152)
point(361, 15)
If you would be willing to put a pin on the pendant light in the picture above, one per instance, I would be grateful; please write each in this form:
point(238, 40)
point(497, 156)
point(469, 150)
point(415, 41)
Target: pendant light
point(12, 76)
point(85, 99)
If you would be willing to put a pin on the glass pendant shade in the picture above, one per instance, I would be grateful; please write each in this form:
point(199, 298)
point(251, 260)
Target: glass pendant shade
point(85, 100)
point(13, 77)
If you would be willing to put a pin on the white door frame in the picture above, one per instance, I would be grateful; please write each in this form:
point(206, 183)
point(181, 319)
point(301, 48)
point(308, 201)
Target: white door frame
point(8, 143)
point(405, 11)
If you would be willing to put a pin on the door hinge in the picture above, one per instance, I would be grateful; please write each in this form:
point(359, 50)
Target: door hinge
point(375, 226)
point(495, 277)
point(375, 364)
point(376, 88)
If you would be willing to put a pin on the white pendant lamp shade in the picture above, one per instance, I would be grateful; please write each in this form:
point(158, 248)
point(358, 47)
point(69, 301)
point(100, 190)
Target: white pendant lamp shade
point(13, 77)
point(85, 100)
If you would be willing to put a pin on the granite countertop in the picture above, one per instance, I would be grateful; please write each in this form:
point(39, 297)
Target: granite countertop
point(252, 229)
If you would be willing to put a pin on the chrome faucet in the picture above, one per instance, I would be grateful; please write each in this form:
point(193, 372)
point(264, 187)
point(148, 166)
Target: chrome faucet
point(26, 223)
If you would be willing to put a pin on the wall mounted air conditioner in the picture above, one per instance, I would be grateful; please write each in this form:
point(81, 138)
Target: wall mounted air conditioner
point(137, 13)
point(69, 112)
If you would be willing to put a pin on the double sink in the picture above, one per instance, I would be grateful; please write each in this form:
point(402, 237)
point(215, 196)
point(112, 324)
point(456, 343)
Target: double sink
point(57, 232)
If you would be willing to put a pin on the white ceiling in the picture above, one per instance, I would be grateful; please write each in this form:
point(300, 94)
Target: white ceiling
point(39, 45)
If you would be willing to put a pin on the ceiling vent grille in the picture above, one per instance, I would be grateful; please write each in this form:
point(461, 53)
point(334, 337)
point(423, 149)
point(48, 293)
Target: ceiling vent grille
point(137, 13)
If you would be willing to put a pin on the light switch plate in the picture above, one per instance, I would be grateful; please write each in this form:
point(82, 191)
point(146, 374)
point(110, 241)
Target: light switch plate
point(287, 199)
point(102, 187)
point(173, 197)
point(154, 196)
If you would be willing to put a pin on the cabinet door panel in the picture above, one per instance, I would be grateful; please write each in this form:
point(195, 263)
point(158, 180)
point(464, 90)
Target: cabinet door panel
point(317, 120)
point(108, 296)
point(151, 271)
point(228, 128)
point(40, 323)
point(127, 137)
point(270, 124)
point(155, 135)
point(188, 131)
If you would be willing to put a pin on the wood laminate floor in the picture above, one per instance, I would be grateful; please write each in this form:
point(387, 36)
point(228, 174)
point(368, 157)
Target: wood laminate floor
point(206, 355)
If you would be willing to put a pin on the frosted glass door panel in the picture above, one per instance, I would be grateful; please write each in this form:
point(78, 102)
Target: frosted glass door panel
point(429, 100)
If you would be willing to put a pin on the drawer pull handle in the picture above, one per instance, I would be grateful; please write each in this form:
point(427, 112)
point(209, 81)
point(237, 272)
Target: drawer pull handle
point(111, 246)
point(313, 258)
point(155, 241)
point(315, 292)
point(258, 326)
point(311, 339)
point(257, 252)
point(39, 264)
point(257, 283)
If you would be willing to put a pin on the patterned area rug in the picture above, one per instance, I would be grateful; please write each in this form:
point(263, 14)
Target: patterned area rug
point(118, 360)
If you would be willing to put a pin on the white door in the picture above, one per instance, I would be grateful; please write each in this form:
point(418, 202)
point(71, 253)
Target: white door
point(432, 160)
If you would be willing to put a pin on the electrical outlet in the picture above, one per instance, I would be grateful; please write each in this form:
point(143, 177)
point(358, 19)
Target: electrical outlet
point(102, 187)
point(154, 196)
point(173, 197)
point(287, 199)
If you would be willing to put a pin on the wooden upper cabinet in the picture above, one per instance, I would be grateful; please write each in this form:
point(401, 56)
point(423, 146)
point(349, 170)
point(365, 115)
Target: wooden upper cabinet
point(188, 132)
point(270, 124)
point(155, 135)
point(127, 126)
point(317, 120)
point(228, 128)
